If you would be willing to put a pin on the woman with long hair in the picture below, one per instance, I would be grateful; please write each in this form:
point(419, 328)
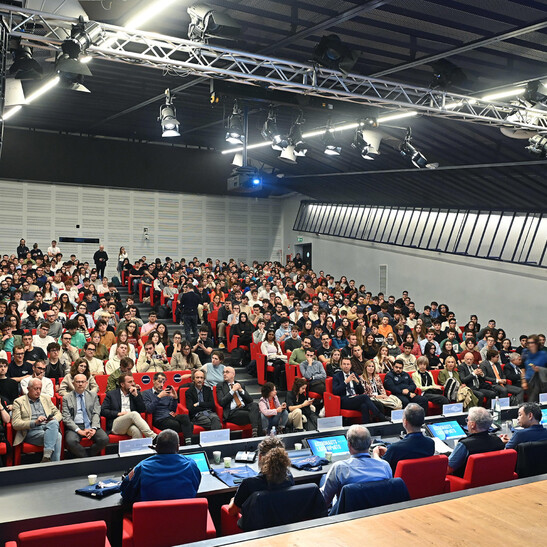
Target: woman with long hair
point(185, 359)
point(123, 337)
point(333, 364)
point(374, 388)
point(154, 337)
point(161, 329)
point(419, 332)
point(122, 257)
point(274, 356)
point(448, 349)
point(80, 366)
point(429, 352)
point(370, 349)
point(302, 413)
point(101, 351)
point(272, 412)
point(339, 341)
point(133, 336)
point(307, 329)
point(66, 305)
point(383, 360)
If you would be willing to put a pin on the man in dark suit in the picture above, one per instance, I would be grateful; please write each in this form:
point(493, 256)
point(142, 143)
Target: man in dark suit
point(513, 369)
point(473, 377)
point(200, 403)
point(82, 419)
point(122, 409)
point(414, 445)
point(238, 405)
point(493, 373)
point(401, 384)
point(529, 418)
point(352, 393)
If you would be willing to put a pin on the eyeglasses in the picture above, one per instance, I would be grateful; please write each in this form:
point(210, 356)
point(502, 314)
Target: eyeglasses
point(41, 368)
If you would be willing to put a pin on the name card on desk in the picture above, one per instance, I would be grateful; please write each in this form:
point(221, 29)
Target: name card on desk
point(454, 408)
point(133, 446)
point(214, 437)
point(333, 422)
point(543, 398)
point(505, 402)
point(397, 415)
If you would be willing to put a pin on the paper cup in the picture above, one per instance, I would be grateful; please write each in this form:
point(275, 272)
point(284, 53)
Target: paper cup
point(92, 479)
point(227, 462)
point(298, 446)
point(328, 456)
point(216, 456)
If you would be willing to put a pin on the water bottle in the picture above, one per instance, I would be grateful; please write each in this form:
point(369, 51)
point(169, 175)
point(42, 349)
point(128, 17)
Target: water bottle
point(273, 431)
point(496, 414)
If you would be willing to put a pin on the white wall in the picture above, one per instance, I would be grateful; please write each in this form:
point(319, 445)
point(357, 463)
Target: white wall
point(180, 225)
point(516, 296)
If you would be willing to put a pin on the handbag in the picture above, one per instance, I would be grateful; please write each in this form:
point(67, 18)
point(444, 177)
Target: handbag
point(392, 402)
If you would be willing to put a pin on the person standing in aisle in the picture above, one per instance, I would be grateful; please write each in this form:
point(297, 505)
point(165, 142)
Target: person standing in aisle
point(100, 258)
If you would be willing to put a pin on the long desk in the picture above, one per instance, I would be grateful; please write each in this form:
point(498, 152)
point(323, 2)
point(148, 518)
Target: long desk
point(35, 496)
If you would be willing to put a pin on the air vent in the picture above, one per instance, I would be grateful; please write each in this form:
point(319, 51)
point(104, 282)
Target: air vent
point(383, 278)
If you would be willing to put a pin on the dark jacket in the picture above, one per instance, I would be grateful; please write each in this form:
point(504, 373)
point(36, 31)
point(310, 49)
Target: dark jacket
point(413, 446)
point(192, 399)
point(396, 384)
point(469, 379)
point(224, 397)
point(112, 404)
point(339, 385)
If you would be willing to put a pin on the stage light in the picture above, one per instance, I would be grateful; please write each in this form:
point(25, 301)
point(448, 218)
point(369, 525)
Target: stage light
point(271, 133)
point(331, 53)
point(538, 145)
point(82, 35)
point(168, 117)
point(288, 154)
point(366, 140)
point(24, 67)
point(206, 22)
point(296, 138)
point(411, 153)
point(447, 75)
point(332, 148)
point(235, 133)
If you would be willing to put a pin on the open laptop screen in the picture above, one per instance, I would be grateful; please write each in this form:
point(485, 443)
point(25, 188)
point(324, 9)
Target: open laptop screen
point(447, 431)
point(201, 460)
point(337, 444)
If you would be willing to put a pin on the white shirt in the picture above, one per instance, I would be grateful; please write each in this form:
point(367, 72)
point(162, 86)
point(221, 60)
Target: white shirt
point(126, 404)
point(47, 386)
point(42, 342)
point(53, 250)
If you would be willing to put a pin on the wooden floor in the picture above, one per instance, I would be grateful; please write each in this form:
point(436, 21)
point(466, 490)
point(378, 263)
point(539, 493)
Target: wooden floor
point(511, 516)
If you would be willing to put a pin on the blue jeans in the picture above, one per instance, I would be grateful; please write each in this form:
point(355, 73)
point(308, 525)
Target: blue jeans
point(48, 436)
point(279, 420)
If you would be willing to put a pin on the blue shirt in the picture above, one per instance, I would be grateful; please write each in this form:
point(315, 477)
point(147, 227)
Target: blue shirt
point(538, 359)
point(162, 477)
point(359, 468)
point(159, 408)
point(458, 457)
point(528, 435)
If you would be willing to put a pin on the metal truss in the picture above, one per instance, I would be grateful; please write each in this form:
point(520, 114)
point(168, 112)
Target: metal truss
point(183, 57)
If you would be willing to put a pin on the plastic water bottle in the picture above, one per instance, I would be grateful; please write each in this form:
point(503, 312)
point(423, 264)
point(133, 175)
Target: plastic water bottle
point(273, 431)
point(496, 414)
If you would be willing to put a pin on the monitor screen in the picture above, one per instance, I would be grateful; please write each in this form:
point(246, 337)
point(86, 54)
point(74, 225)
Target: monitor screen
point(446, 431)
point(201, 459)
point(337, 444)
point(544, 415)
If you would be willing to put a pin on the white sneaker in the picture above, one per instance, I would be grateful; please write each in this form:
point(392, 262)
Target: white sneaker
point(322, 413)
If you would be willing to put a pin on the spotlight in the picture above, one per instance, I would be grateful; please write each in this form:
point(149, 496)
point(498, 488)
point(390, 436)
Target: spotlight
point(409, 152)
point(538, 145)
point(24, 67)
point(168, 117)
point(72, 82)
point(367, 141)
point(447, 75)
point(332, 148)
point(331, 53)
point(235, 133)
point(295, 136)
point(206, 22)
point(270, 132)
point(82, 36)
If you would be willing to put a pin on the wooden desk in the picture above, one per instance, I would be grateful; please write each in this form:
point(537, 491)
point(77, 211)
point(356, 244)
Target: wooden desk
point(481, 519)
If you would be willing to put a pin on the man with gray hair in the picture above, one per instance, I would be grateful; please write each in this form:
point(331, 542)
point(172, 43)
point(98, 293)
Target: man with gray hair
point(167, 475)
point(360, 467)
point(479, 440)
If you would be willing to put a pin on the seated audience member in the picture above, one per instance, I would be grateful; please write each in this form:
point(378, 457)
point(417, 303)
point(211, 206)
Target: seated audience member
point(68, 353)
point(529, 418)
point(214, 371)
point(339, 341)
point(470, 347)
point(374, 388)
point(454, 390)
point(38, 371)
point(479, 440)
point(302, 415)
point(415, 444)
point(359, 468)
point(32, 353)
point(167, 475)
point(82, 419)
point(238, 406)
point(122, 337)
point(430, 338)
point(294, 341)
point(114, 362)
point(401, 384)
point(407, 357)
point(151, 325)
point(434, 361)
point(203, 345)
point(55, 369)
point(185, 359)
point(79, 366)
point(151, 361)
point(275, 357)
point(473, 377)
point(42, 338)
point(9, 388)
point(490, 345)
point(535, 361)
point(200, 403)
point(36, 421)
point(424, 381)
point(346, 385)
point(272, 412)
point(494, 374)
point(333, 364)
point(161, 402)
point(274, 466)
point(19, 368)
point(126, 365)
point(96, 366)
point(100, 349)
point(325, 351)
point(514, 370)
point(358, 360)
point(122, 408)
point(108, 338)
point(314, 372)
point(77, 339)
point(315, 338)
point(383, 360)
point(259, 335)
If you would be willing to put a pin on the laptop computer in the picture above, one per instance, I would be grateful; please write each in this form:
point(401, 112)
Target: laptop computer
point(448, 432)
point(201, 460)
point(337, 444)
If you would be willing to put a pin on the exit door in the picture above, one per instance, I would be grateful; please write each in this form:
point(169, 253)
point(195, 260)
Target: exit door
point(306, 254)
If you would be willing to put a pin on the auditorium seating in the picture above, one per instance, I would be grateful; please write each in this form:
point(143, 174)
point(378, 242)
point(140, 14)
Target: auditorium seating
point(484, 469)
point(424, 477)
point(167, 523)
point(86, 534)
point(333, 408)
point(246, 430)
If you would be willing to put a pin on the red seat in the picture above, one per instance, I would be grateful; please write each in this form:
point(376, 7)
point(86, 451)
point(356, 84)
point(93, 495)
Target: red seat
point(487, 468)
point(291, 373)
point(180, 521)
point(27, 448)
point(228, 523)
point(332, 405)
point(212, 318)
point(92, 534)
point(262, 368)
point(424, 477)
point(247, 429)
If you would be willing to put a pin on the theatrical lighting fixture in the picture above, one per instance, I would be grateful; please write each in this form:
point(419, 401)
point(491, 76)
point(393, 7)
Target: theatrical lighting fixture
point(24, 67)
point(296, 139)
point(538, 145)
point(33, 96)
point(288, 154)
point(168, 117)
point(270, 132)
point(366, 140)
point(331, 53)
point(447, 75)
point(206, 22)
point(332, 148)
point(235, 133)
point(410, 152)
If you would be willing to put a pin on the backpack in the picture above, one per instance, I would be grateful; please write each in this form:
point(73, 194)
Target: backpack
point(163, 311)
